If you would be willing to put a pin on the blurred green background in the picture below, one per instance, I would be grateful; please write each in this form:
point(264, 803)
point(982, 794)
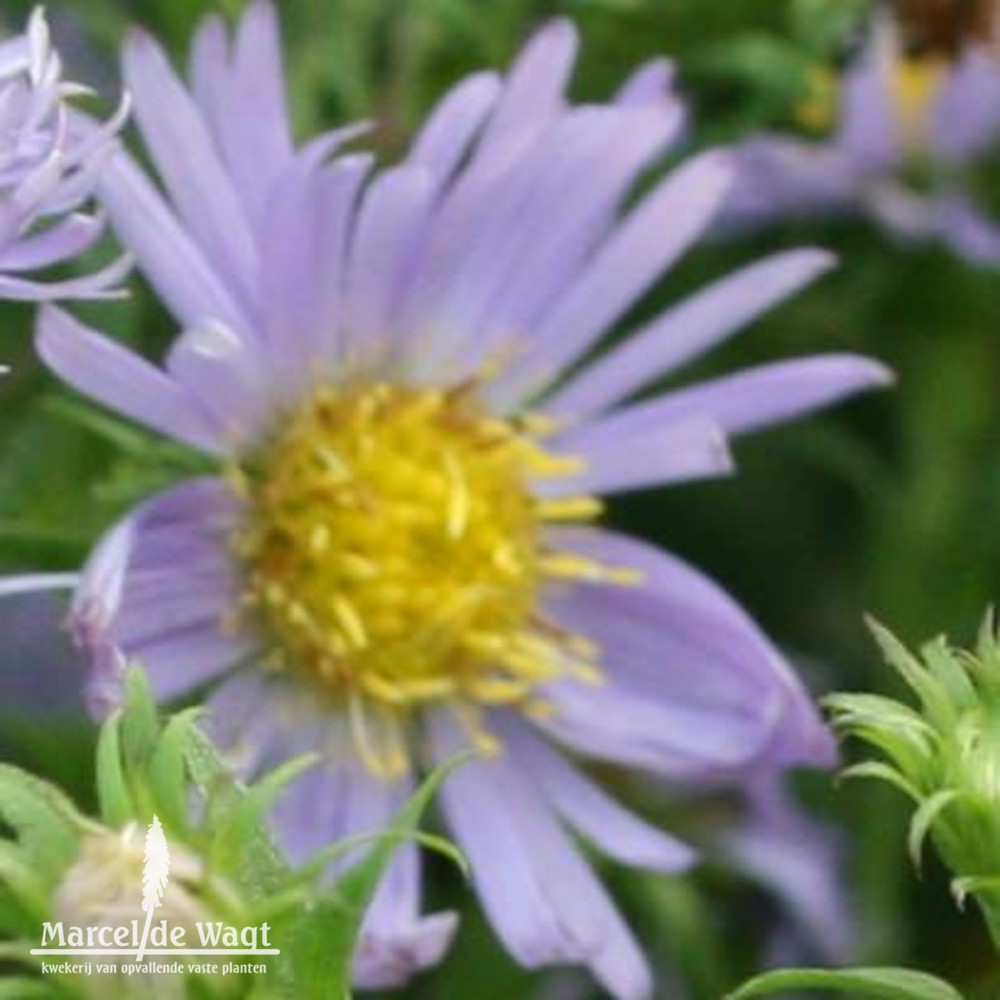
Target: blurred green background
point(889, 505)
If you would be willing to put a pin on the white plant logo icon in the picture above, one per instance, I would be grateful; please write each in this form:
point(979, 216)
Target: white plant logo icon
point(117, 858)
point(155, 875)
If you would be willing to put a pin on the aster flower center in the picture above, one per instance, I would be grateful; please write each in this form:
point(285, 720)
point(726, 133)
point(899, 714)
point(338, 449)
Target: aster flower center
point(916, 84)
point(394, 551)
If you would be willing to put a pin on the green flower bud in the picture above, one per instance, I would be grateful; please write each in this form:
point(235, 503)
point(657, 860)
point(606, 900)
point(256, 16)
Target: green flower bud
point(100, 890)
point(66, 878)
point(944, 754)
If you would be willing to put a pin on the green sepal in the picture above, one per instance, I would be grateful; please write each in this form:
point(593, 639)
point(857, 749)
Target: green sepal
point(140, 725)
point(325, 937)
point(114, 798)
point(239, 843)
point(328, 855)
point(168, 768)
point(924, 818)
point(242, 836)
point(877, 770)
point(928, 688)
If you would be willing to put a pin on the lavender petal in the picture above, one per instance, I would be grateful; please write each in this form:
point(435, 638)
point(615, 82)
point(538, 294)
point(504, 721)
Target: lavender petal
point(688, 330)
point(651, 238)
point(113, 375)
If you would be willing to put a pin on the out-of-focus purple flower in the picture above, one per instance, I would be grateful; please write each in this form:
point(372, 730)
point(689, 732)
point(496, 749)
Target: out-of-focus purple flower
point(398, 558)
point(911, 130)
point(39, 662)
point(801, 862)
point(50, 158)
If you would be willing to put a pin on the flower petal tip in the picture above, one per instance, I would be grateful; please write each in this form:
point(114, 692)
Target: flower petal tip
point(262, 8)
point(558, 31)
point(822, 260)
point(820, 752)
point(386, 961)
point(874, 374)
point(721, 161)
point(686, 858)
point(138, 37)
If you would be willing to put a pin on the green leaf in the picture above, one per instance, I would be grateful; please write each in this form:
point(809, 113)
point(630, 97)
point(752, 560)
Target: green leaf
point(325, 937)
point(884, 984)
point(113, 796)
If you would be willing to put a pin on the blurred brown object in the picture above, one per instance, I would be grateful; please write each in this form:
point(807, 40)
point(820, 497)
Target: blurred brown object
point(945, 25)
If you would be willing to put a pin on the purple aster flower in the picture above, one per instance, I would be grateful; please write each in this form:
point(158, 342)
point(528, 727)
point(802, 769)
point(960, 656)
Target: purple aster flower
point(911, 130)
point(398, 557)
point(46, 661)
point(801, 862)
point(50, 158)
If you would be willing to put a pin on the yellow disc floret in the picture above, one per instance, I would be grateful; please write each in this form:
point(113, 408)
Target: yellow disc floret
point(393, 551)
point(916, 84)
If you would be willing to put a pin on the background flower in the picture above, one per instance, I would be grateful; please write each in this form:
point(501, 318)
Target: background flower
point(50, 157)
point(911, 129)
